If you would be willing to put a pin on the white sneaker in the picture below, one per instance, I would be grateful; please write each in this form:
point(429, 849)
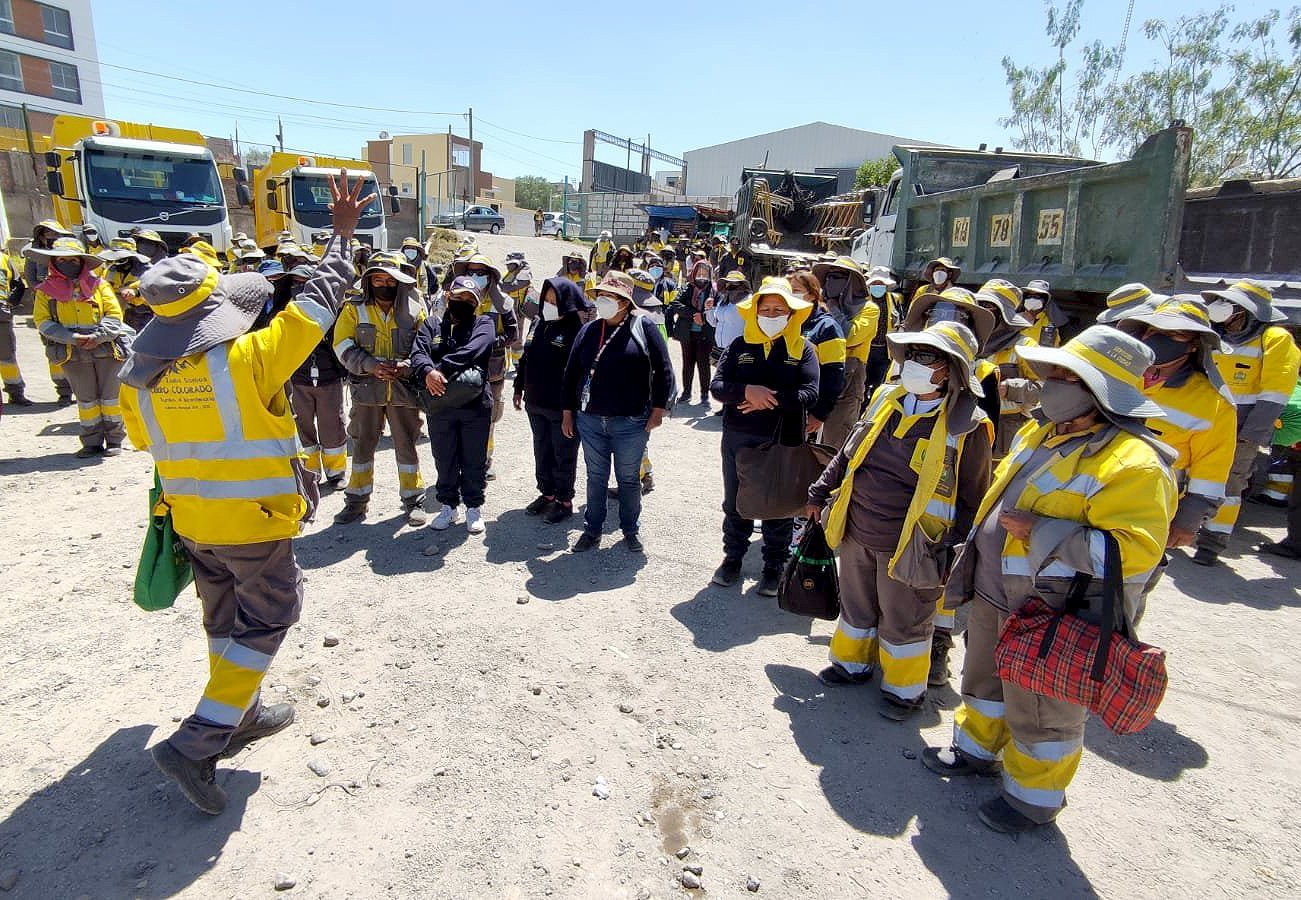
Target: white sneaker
point(446, 518)
point(474, 520)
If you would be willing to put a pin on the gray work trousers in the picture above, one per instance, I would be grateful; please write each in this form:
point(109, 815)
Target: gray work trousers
point(95, 387)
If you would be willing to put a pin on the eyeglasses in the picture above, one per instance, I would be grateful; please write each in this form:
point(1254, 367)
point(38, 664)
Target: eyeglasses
point(948, 312)
point(924, 356)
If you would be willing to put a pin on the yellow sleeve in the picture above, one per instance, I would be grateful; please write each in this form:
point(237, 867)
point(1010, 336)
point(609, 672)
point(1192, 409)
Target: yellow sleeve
point(135, 426)
point(1211, 451)
point(41, 311)
point(1140, 528)
point(861, 331)
point(345, 329)
point(1278, 368)
point(831, 351)
point(107, 299)
point(280, 348)
point(1026, 371)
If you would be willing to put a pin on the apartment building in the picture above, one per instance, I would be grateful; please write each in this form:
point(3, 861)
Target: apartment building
point(48, 61)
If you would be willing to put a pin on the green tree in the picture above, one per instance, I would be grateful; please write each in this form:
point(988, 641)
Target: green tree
point(1270, 80)
point(532, 192)
point(875, 172)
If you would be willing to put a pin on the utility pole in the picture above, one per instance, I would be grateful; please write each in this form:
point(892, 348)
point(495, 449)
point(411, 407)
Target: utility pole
point(474, 166)
point(420, 236)
point(280, 134)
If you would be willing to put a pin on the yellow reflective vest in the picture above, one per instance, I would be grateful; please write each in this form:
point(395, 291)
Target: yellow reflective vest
point(1042, 330)
point(862, 328)
point(219, 427)
point(1263, 368)
point(59, 320)
point(934, 503)
point(1200, 425)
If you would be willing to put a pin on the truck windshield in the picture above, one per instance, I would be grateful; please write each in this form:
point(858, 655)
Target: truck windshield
point(311, 199)
point(152, 178)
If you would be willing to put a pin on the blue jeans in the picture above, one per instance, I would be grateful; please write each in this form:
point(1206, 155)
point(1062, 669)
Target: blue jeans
point(623, 438)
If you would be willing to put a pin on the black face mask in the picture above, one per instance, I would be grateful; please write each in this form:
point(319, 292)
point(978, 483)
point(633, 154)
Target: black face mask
point(148, 248)
point(385, 292)
point(68, 268)
point(1165, 348)
point(460, 311)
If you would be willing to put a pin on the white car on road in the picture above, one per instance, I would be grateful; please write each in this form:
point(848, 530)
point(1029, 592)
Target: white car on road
point(552, 222)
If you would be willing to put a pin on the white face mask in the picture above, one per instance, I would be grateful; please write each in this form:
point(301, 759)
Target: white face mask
point(606, 307)
point(773, 325)
point(481, 281)
point(1220, 311)
point(656, 272)
point(550, 312)
point(1033, 304)
point(940, 276)
point(916, 378)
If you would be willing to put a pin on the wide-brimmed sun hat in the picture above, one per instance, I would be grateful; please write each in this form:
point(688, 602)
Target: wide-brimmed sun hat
point(1109, 362)
point(388, 263)
point(954, 340)
point(1004, 297)
point(119, 249)
point(882, 275)
point(776, 286)
point(195, 307)
point(982, 320)
point(643, 290)
point(1187, 312)
point(1250, 295)
point(65, 248)
point(614, 282)
point(1127, 299)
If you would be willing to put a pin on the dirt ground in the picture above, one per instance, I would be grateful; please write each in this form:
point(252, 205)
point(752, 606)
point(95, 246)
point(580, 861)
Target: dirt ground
point(483, 688)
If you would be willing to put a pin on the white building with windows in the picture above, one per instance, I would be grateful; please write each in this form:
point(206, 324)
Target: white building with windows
point(48, 62)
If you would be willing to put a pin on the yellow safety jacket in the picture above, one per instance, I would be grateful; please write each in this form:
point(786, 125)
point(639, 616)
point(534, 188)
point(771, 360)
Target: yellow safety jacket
point(1199, 425)
point(222, 435)
point(862, 328)
point(121, 280)
point(1009, 364)
point(1263, 368)
point(934, 504)
point(57, 320)
point(363, 326)
point(1121, 485)
point(1043, 331)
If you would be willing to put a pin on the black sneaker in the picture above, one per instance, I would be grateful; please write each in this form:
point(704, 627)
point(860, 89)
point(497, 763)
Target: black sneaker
point(633, 543)
point(586, 542)
point(999, 815)
point(685, 399)
point(769, 582)
point(195, 777)
point(953, 763)
point(1204, 557)
point(538, 506)
point(1281, 548)
point(837, 675)
point(897, 710)
point(270, 719)
point(19, 398)
point(558, 512)
point(65, 401)
point(647, 485)
point(728, 574)
point(88, 452)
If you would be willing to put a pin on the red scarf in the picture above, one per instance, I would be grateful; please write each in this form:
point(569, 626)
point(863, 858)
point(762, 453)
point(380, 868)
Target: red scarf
point(64, 290)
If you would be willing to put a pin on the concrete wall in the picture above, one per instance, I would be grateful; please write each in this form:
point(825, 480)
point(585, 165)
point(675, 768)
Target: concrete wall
point(717, 169)
point(623, 217)
point(25, 199)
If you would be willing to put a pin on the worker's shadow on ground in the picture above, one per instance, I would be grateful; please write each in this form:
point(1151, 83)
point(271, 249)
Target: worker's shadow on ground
point(113, 822)
point(698, 417)
point(1221, 584)
point(721, 618)
point(1158, 752)
point(388, 549)
point(64, 460)
point(872, 776)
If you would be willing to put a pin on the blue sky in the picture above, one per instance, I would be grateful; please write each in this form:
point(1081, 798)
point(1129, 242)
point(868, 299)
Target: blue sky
point(538, 74)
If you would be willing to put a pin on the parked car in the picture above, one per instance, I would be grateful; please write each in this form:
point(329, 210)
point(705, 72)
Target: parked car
point(481, 218)
point(554, 222)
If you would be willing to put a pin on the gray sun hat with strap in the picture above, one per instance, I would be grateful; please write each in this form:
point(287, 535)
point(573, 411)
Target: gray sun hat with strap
point(195, 308)
point(953, 339)
point(1128, 299)
point(1187, 312)
point(1252, 296)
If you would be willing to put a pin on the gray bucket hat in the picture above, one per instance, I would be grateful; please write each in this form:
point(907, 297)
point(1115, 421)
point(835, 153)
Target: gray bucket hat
point(982, 320)
point(1109, 362)
point(388, 263)
point(195, 307)
point(1005, 297)
point(954, 340)
point(1128, 299)
point(1252, 296)
point(1187, 312)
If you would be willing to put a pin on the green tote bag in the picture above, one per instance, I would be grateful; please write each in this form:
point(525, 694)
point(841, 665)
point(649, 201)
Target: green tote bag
point(164, 569)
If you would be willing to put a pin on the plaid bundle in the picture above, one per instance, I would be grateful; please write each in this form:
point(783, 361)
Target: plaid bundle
point(1054, 654)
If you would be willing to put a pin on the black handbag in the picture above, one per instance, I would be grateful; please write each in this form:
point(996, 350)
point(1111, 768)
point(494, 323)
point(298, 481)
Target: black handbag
point(462, 388)
point(774, 479)
point(810, 585)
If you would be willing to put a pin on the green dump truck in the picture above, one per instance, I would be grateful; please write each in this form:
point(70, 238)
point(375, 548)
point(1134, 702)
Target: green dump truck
point(1085, 226)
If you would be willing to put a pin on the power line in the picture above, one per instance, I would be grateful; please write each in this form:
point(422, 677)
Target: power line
point(530, 136)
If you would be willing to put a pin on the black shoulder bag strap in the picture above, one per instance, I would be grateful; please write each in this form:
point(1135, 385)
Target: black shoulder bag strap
point(1112, 601)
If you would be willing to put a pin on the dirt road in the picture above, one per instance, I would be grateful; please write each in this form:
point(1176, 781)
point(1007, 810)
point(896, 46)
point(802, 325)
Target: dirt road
point(485, 692)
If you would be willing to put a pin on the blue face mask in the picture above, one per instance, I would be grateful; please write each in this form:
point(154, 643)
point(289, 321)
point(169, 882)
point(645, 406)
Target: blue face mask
point(876, 290)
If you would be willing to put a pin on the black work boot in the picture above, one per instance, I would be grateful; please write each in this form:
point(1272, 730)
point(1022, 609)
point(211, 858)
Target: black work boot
point(728, 574)
point(18, 397)
point(270, 719)
point(940, 673)
point(195, 777)
point(351, 512)
point(769, 582)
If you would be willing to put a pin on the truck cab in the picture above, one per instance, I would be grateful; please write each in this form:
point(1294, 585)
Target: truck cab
point(118, 183)
point(297, 199)
point(875, 246)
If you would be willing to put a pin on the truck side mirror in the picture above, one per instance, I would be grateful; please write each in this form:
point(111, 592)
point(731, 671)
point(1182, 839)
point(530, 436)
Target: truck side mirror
point(392, 190)
point(271, 184)
point(53, 160)
point(243, 196)
point(394, 204)
point(273, 202)
point(239, 174)
point(54, 182)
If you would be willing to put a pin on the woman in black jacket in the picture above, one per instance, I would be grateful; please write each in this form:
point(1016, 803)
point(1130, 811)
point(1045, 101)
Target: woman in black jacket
point(767, 380)
point(539, 388)
point(458, 436)
point(692, 330)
